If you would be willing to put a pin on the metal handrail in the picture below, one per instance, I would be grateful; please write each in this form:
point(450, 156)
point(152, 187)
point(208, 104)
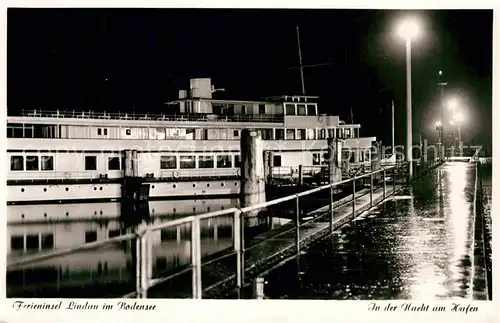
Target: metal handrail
point(37, 175)
point(185, 220)
point(57, 253)
point(144, 247)
point(189, 219)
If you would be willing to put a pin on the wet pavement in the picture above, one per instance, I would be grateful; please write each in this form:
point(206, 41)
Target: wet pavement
point(418, 248)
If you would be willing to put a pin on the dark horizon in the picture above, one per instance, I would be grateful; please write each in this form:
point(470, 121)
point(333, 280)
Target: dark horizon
point(137, 59)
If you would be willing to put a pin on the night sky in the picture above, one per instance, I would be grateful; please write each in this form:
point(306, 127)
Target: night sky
point(137, 59)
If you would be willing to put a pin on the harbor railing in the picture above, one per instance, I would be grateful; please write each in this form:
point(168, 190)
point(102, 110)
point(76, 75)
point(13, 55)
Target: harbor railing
point(375, 184)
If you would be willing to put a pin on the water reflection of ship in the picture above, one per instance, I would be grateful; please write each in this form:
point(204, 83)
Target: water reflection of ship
point(93, 222)
point(113, 262)
point(20, 214)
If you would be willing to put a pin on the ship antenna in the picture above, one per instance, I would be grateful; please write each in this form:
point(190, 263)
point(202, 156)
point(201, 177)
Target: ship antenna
point(300, 62)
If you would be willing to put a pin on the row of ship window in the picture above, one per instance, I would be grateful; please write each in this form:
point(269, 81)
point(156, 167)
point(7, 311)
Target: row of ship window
point(45, 241)
point(20, 163)
point(50, 131)
point(46, 163)
point(347, 155)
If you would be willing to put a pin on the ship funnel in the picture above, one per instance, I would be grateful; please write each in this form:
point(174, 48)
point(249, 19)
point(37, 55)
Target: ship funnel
point(201, 88)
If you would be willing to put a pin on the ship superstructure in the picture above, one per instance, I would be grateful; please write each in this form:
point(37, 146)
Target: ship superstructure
point(192, 149)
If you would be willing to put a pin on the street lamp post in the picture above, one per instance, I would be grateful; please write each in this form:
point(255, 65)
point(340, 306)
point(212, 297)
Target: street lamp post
point(409, 130)
point(409, 30)
point(442, 138)
point(459, 118)
point(439, 129)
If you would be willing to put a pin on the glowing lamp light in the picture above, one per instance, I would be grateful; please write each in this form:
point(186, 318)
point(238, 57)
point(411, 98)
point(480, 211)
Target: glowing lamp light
point(459, 117)
point(452, 104)
point(409, 29)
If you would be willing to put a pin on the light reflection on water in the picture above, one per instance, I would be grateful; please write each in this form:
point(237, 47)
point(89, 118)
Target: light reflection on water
point(416, 248)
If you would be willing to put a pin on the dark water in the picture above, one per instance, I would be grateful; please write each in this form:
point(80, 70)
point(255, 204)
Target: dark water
point(107, 271)
point(417, 248)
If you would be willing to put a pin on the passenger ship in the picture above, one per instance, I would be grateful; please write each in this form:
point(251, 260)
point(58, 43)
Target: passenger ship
point(191, 150)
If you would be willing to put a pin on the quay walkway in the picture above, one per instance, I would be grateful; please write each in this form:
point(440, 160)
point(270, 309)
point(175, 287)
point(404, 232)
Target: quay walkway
point(230, 273)
point(432, 246)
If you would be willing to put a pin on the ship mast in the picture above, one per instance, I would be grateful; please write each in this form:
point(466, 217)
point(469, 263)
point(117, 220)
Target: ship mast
point(301, 66)
point(300, 62)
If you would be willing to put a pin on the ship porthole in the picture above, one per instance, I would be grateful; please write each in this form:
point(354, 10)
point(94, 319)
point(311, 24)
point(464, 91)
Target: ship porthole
point(174, 186)
point(208, 184)
point(152, 186)
point(222, 184)
point(100, 188)
point(67, 213)
point(45, 215)
point(235, 183)
point(22, 190)
point(194, 185)
point(45, 189)
point(174, 210)
point(95, 188)
point(67, 189)
point(22, 216)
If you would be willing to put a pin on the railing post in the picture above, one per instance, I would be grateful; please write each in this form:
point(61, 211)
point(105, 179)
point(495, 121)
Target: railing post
point(297, 224)
point(353, 197)
point(331, 208)
point(196, 258)
point(383, 180)
point(301, 177)
point(371, 189)
point(258, 288)
point(394, 180)
point(408, 172)
point(242, 247)
point(237, 245)
point(149, 250)
point(141, 260)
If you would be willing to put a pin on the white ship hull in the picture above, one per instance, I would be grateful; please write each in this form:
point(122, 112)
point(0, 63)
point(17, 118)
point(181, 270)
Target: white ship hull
point(69, 193)
point(44, 213)
point(70, 181)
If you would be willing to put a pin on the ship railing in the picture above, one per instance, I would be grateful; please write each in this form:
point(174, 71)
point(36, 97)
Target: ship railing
point(51, 175)
point(293, 171)
point(258, 118)
point(373, 187)
point(199, 173)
